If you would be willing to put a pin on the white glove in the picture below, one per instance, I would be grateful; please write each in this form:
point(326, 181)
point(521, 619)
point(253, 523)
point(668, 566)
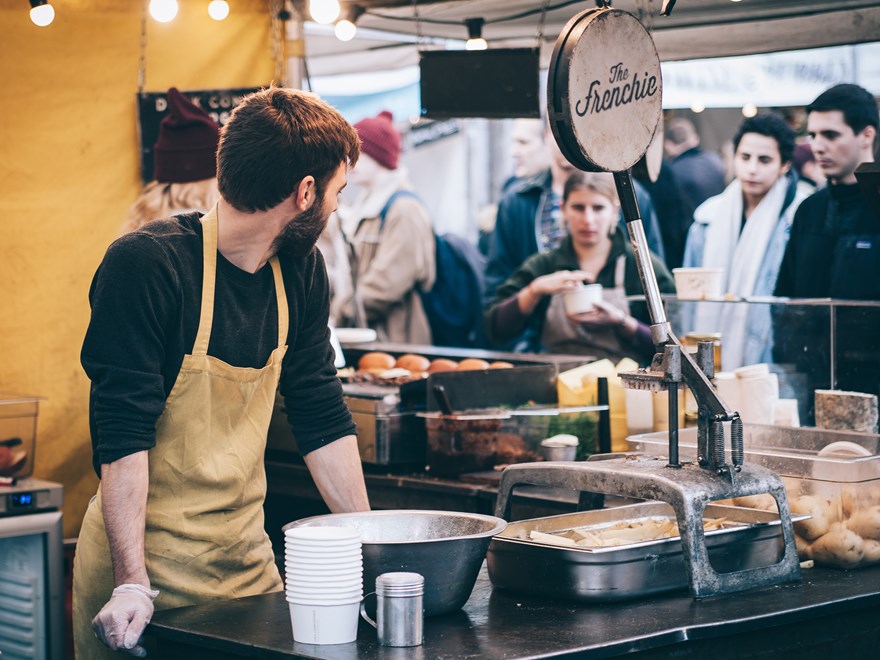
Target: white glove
point(121, 622)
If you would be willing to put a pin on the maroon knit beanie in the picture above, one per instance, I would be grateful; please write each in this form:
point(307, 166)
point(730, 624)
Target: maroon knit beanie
point(379, 139)
point(187, 146)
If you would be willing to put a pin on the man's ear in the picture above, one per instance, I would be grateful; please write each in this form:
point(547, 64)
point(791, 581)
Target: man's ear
point(306, 193)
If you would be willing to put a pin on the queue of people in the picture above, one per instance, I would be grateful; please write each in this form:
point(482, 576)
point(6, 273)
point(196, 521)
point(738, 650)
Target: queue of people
point(692, 218)
point(380, 250)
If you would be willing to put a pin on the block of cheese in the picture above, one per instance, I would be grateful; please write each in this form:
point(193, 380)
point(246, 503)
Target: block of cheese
point(846, 411)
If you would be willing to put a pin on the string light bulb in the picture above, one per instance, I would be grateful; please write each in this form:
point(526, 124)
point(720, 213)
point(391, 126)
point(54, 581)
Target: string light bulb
point(749, 110)
point(475, 34)
point(42, 13)
point(218, 9)
point(346, 28)
point(324, 11)
point(163, 10)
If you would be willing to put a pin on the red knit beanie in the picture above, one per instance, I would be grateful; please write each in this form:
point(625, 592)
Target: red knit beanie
point(187, 146)
point(379, 139)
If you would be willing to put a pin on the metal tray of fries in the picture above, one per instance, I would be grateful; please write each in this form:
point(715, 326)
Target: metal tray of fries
point(625, 552)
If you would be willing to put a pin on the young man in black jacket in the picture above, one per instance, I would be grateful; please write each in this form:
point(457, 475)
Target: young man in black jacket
point(834, 252)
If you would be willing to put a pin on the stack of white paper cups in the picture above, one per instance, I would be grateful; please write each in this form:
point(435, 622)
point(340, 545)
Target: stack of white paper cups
point(323, 583)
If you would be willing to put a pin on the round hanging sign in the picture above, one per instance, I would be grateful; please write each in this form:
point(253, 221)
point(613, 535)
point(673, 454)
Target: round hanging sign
point(604, 90)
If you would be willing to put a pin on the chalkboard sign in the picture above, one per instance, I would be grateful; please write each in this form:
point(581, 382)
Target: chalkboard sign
point(494, 83)
point(153, 106)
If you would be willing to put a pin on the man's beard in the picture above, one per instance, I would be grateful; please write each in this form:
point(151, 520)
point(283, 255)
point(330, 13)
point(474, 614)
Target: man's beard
point(302, 232)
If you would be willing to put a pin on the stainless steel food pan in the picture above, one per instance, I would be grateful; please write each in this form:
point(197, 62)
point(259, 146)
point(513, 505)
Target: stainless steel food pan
point(627, 571)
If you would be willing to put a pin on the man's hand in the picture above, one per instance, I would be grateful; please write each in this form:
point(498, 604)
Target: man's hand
point(121, 622)
point(337, 472)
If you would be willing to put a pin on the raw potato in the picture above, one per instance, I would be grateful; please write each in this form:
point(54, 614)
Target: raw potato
point(803, 547)
point(866, 523)
point(839, 547)
point(872, 552)
point(817, 525)
point(763, 502)
point(855, 499)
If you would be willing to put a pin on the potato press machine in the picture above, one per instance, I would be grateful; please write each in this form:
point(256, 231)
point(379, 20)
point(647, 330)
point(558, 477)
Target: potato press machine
point(597, 47)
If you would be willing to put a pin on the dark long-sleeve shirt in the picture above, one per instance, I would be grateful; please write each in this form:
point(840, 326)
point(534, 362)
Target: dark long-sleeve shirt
point(145, 300)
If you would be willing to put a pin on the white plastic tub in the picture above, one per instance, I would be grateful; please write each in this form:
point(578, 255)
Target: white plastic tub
point(698, 283)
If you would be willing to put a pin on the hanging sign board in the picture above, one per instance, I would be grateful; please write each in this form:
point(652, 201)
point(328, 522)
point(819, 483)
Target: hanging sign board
point(604, 90)
point(153, 106)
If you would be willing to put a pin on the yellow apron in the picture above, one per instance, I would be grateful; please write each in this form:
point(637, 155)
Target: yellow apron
point(204, 537)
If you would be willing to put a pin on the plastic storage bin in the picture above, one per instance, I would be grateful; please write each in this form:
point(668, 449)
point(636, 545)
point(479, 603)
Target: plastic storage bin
point(480, 440)
point(18, 433)
point(833, 476)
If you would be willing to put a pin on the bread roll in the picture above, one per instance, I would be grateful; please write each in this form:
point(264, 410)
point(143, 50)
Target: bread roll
point(376, 362)
point(442, 364)
point(501, 365)
point(472, 364)
point(414, 363)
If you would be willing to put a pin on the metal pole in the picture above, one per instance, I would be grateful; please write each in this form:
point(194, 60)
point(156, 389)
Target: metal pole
point(659, 325)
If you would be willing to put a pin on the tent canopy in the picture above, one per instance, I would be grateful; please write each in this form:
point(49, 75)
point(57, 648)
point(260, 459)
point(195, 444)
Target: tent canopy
point(389, 35)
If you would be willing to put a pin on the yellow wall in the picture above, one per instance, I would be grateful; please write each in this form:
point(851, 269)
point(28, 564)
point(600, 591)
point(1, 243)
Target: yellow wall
point(69, 170)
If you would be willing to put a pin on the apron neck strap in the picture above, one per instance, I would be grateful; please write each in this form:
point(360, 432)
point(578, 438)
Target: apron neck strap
point(209, 280)
point(281, 295)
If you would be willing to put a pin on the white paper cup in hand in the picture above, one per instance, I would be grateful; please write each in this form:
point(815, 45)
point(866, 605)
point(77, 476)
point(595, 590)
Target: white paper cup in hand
point(582, 299)
point(324, 624)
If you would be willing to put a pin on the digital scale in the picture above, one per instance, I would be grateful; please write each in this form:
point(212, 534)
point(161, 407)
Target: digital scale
point(30, 496)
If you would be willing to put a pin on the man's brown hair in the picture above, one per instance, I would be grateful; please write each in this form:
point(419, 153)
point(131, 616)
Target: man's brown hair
point(275, 138)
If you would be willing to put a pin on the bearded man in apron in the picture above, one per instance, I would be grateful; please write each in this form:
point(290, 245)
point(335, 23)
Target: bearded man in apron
point(593, 251)
point(196, 321)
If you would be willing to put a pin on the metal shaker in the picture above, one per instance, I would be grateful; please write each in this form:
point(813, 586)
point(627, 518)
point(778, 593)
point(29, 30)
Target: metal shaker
point(399, 609)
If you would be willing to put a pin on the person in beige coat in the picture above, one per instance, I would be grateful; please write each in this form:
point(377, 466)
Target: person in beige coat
point(392, 240)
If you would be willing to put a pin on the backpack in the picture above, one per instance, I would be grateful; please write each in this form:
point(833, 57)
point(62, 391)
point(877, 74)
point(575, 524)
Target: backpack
point(454, 305)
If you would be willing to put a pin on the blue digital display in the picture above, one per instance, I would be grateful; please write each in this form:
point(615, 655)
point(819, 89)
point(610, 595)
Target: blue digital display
point(22, 499)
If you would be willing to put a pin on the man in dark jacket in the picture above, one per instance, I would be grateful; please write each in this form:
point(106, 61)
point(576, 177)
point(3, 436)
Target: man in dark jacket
point(834, 251)
point(700, 173)
point(831, 252)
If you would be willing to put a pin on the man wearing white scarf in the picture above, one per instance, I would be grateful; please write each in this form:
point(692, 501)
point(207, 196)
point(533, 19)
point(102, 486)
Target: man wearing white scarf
point(744, 230)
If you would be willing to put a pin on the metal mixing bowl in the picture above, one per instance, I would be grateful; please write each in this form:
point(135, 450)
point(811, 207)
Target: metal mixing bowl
point(446, 547)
